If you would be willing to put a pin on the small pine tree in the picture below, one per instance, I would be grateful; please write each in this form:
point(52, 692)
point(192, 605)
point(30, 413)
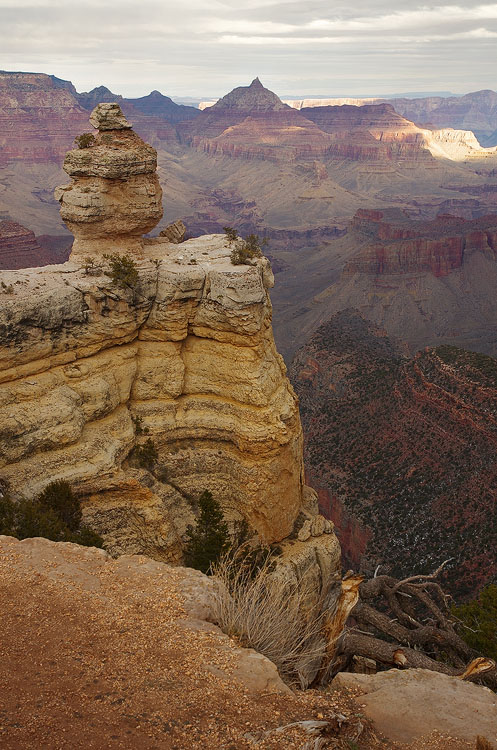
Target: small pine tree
point(209, 538)
point(231, 234)
point(122, 271)
point(58, 497)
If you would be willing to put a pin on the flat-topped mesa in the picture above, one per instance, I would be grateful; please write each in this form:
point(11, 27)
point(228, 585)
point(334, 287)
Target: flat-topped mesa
point(114, 197)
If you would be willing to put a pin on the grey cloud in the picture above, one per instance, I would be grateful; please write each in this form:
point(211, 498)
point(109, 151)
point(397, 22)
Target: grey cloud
point(205, 47)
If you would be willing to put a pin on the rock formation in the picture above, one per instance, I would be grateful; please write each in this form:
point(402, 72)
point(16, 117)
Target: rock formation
point(252, 122)
point(183, 356)
point(436, 703)
point(476, 111)
point(398, 245)
point(38, 118)
point(115, 196)
point(424, 282)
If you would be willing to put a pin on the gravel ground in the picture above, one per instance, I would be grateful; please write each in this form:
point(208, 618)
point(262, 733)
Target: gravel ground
point(93, 654)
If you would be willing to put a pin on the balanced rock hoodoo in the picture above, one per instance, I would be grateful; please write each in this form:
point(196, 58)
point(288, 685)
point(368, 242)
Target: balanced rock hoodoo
point(115, 196)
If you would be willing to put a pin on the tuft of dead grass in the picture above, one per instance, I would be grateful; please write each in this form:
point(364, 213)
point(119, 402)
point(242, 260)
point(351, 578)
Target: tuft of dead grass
point(262, 610)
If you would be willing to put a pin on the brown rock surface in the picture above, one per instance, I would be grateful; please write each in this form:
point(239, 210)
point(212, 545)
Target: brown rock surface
point(423, 701)
point(95, 357)
point(174, 232)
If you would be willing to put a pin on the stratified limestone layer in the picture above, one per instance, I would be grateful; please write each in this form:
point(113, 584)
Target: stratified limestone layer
point(186, 359)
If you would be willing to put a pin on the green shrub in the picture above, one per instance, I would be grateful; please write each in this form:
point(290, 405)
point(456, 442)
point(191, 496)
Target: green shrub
point(87, 538)
point(7, 512)
point(58, 497)
point(146, 454)
point(55, 514)
point(34, 519)
point(85, 140)
point(244, 250)
point(208, 540)
point(122, 271)
point(478, 621)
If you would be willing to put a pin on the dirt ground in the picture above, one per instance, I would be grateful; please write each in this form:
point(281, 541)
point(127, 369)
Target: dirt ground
point(95, 655)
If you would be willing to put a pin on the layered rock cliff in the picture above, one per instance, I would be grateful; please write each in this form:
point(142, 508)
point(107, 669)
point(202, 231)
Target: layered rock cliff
point(183, 356)
point(398, 245)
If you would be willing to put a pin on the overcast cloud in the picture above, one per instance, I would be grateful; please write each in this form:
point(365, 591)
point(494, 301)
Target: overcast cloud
point(206, 47)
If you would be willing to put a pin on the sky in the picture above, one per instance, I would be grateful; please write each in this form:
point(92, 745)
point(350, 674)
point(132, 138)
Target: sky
point(204, 48)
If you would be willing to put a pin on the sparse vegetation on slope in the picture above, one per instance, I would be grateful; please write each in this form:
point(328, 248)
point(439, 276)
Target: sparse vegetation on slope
point(406, 446)
point(244, 250)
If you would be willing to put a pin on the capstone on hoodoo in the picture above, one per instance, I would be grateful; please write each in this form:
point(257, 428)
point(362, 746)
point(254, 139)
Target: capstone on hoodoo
point(186, 358)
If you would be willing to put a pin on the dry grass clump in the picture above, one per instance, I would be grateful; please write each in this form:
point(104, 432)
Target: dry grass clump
point(263, 610)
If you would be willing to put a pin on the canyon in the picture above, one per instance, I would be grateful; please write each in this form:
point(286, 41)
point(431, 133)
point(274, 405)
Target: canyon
point(402, 450)
point(296, 177)
point(476, 111)
point(171, 345)
point(426, 282)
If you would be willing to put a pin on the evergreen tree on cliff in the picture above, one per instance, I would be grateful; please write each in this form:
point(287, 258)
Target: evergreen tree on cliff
point(209, 538)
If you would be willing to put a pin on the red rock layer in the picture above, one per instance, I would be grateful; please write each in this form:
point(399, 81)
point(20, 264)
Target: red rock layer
point(251, 122)
point(19, 248)
point(38, 118)
point(362, 129)
point(392, 244)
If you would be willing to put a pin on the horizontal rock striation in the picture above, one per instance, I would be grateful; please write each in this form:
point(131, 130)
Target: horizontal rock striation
point(38, 118)
point(190, 358)
point(19, 248)
point(396, 245)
